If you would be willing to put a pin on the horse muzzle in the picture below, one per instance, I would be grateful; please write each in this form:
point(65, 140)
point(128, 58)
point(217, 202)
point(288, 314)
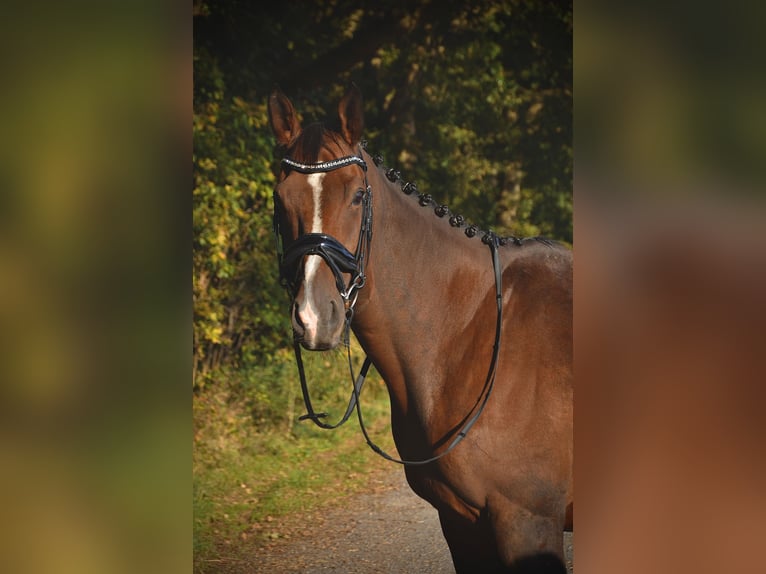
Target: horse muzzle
point(314, 267)
point(318, 313)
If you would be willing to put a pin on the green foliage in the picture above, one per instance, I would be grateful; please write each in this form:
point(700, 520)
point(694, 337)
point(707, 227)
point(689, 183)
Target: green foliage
point(239, 307)
point(485, 115)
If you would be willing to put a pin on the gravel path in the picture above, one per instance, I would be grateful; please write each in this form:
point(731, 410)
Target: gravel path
point(388, 530)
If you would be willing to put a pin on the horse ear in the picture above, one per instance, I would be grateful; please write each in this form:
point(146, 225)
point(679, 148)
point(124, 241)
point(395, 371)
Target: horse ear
point(283, 119)
point(351, 115)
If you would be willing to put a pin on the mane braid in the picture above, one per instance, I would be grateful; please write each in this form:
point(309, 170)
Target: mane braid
point(442, 210)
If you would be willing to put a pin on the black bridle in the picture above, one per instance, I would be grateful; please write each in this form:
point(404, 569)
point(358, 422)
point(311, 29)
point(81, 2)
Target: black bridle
point(341, 260)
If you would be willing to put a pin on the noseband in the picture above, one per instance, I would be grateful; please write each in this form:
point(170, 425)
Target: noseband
point(339, 259)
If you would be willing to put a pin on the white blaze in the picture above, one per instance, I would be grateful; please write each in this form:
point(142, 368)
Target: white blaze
point(307, 311)
point(315, 181)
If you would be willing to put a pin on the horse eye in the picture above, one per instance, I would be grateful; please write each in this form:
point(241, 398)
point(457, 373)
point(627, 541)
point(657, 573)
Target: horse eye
point(358, 197)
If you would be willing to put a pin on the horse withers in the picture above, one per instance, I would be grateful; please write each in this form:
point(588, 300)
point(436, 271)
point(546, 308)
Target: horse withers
point(472, 334)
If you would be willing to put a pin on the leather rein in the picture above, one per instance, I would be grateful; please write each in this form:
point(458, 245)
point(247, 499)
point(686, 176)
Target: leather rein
point(341, 260)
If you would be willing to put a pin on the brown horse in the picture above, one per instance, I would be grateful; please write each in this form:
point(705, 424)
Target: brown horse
point(420, 291)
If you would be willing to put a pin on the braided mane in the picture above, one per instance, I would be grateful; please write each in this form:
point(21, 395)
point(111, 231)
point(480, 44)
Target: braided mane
point(442, 210)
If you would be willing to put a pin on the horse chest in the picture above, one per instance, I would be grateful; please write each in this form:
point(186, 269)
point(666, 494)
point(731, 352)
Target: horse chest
point(429, 486)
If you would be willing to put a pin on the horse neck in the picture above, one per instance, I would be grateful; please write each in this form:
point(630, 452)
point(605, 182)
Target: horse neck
point(425, 282)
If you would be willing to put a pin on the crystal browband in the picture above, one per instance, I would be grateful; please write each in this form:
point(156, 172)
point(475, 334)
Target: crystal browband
point(325, 165)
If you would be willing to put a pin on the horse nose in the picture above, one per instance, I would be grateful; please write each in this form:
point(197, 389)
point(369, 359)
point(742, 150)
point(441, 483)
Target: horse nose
point(298, 323)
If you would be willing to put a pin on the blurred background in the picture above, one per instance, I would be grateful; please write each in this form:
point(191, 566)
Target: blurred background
point(95, 302)
point(670, 140)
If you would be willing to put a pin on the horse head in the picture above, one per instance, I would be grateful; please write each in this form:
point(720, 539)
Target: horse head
point(322, 216)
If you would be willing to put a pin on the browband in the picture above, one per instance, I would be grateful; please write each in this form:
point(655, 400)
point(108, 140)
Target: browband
point(324, 166)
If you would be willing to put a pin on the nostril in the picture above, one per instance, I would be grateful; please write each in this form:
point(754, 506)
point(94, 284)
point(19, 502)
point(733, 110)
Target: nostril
point(297, 316)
